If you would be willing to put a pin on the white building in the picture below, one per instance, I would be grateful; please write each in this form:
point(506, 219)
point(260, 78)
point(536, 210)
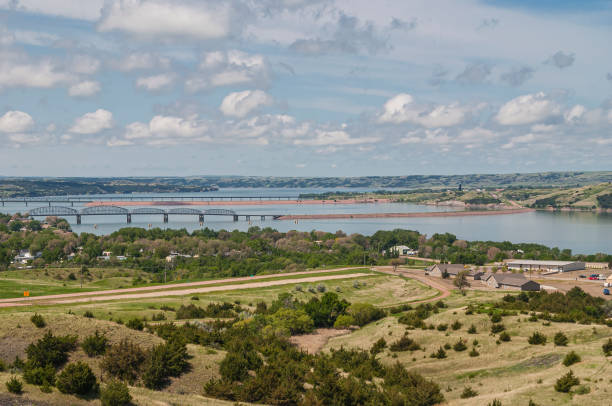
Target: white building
point(25, 255)
point(534, 265)
point(402, 250)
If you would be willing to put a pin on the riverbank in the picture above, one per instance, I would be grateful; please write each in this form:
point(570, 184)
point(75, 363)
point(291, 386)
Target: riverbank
point(237, 202)
point(398, 215)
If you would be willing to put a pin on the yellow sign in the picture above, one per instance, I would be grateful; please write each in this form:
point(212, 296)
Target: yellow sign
point(26, 293)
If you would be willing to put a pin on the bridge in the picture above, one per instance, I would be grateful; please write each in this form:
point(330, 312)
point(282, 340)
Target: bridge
point(109, 198)
point(106, 210)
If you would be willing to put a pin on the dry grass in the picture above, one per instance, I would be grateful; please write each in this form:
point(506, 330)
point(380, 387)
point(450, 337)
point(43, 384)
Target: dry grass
point(509, 371)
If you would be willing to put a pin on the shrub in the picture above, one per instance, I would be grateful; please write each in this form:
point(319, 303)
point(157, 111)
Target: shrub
point(39, 375)
point(46, 387)
point(565, 383)
point(291, 321)
point(364, 313)
point(474, 353)
point(560, 339)
point(311, 289)
point(468, 392)
point(135, 324)
point(95, 344)
point(456, 325)
point(496, 402)
point(88, 314)
point(50, 350)
point(460, 345)
point(472, 329)
point(571, 358)
point(123, 361)
point(195, 298)
point(607, 347)
point(321, 288)
point(497, 328)
point(496, 318)
point(38, 320)
point(2, 366)
point(237, 364)
point(77, 378)
point(442, 327)
point(299, 288)
point(163, 361)
point(344, 321)
point(440, 354)
point(158, 317)
point(504, 336)
point(405, 343)
point(14, 385)
point(378, 346)
point(115, 393)
point(582, 390)
point(537, 338)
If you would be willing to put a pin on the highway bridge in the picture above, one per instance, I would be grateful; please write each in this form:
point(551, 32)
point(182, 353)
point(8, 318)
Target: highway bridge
point(138, 198)
point(106, 210)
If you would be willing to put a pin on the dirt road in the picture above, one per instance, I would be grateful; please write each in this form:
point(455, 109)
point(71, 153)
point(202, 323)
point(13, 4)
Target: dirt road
point(179, 288)
point(444, 290)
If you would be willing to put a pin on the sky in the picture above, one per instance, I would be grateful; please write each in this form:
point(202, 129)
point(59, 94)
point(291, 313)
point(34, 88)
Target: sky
point(304, 87)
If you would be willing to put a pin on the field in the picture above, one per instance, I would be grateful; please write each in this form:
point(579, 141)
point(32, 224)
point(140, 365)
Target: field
point(513, 371)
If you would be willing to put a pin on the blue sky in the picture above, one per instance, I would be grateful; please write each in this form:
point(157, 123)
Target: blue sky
point(303, 87)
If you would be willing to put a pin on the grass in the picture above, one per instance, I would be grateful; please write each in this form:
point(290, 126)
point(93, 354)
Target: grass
point(508, 371)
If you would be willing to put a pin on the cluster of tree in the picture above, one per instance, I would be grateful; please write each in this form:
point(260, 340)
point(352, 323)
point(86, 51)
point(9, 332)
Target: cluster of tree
point(574, 306)
point(237, 253)
point(262, 366)
point(605, 201)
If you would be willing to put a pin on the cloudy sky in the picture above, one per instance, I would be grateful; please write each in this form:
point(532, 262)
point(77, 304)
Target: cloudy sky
point(304, 87)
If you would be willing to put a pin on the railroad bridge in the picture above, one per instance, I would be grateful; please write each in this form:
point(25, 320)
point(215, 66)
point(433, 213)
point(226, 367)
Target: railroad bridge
point(107, 210)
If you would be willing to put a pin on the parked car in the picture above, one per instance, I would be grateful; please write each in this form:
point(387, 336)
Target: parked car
point(602, 277)
point(606, 291)
point(593, 278)
point(582, 276)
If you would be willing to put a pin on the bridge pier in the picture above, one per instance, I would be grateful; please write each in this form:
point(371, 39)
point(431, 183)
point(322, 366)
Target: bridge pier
point(248, 218)
point(129, 218)
point(235, 217)
point(49, 204)
point(263, 218)
point(201, 218)
point(78, 216)
point(165, 217)
point(72, 204)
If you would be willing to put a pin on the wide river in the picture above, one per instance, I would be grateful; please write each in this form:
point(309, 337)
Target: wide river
point(586, 233)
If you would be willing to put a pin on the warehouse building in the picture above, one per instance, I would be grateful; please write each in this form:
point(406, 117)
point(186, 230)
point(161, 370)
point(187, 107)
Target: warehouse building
point(534, 265)
point(511, 281)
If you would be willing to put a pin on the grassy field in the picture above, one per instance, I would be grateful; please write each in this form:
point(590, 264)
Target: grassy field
point(513, 371)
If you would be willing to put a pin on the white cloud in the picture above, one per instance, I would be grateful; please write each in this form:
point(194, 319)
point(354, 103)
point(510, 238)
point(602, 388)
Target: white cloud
point(140, 61)
point(527, 109)
point(229, 68)
point(402, 108)
point(151, 18)
point(83, 10)
point(17, 70)
point(15, 122)
point(155, 82)
point(85, 64)
point(165, 130)
point(239, 104)
point(575, 113)
point(336, 137)
point(521, 139)
point(84, 89)
point(92, 123)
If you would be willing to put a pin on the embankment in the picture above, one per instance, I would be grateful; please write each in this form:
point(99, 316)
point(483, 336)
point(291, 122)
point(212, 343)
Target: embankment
point(236, 202)
point(333, 216)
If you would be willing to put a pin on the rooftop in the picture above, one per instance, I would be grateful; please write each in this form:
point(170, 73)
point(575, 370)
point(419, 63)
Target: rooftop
point(537, 262)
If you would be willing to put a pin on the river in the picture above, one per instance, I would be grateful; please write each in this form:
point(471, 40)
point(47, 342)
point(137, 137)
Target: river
point(586, 233)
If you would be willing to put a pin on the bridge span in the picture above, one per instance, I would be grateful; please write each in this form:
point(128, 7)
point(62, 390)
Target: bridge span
point(106, 210)
point(126, 198)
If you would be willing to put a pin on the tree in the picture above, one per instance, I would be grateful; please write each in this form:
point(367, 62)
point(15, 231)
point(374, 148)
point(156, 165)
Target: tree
point(560, 339)
point(123, 361)
point(77, 378)
point(116, 393)
point(461, 281)
point(565, 383)
point(396, 262)
point(571, 358)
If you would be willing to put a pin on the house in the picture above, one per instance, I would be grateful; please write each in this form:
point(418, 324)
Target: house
point(25, 255)
point(402, 250)
point(557, 266)
point(174, 254)
point(452, 269)
point(511, 281)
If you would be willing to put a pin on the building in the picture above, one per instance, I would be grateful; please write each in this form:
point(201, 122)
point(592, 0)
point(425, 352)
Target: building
point(25, 255)
point(534, 265)
point(511, 281)
point(402, 250)
point(452, 270)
